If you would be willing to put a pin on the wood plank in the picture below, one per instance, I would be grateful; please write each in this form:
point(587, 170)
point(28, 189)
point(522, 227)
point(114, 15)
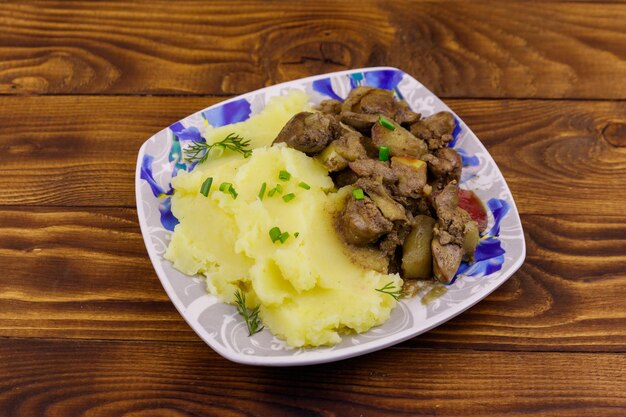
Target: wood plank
point(558, 157)
point(84, 273)
point(71, 378)
point(457, 49)
point(81, 273)
point(80, 151)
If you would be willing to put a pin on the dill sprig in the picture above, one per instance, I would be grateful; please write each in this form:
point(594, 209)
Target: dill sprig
point(251, 316)
point(232, 142)
point(390, 289)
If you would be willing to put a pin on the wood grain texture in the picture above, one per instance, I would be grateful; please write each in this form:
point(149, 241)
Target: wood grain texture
point(456, 48)
point(80, 151)
point(558, 157)
point(85, 326)
point(80, 273)
point(69, 378)
point(84, 273)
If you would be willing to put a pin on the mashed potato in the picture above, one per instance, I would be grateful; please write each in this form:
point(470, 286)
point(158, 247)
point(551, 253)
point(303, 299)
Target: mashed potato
point(307, 288)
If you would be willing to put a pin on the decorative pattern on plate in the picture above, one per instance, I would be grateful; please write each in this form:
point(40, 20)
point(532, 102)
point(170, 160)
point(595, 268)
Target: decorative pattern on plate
point(500, 253)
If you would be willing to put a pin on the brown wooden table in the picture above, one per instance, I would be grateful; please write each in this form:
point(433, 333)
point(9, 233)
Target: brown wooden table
point(85, 326)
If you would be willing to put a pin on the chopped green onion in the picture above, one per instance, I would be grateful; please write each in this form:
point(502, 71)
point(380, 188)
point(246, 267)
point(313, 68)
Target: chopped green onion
point(358, 194)
point(227, 187)
point(383, 153)
point(262, 192)
point(288, 197)
point(384, 122)
point(206, 186)
point(296, 234)
point(304, 185)
point(275, 234)
point(284, 175)
point(278, 189)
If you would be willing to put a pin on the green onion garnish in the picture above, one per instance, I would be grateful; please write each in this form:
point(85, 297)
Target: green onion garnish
point(283, 237)
point(358, 194)
point(206, 186)
point(288, 197)
point(275, 234)
point(383, 153)
point(384, 122)
point(304, 185)
point(278, 189)
point(296, 234)
point(227, 187)
point(284, 175)
point(262, 191)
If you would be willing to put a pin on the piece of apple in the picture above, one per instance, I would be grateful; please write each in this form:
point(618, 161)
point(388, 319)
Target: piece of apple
point(470, 202)
point(417, 165)
point(399, 140)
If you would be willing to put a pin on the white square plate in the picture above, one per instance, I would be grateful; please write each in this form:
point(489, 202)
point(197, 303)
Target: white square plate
point(500, 253)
